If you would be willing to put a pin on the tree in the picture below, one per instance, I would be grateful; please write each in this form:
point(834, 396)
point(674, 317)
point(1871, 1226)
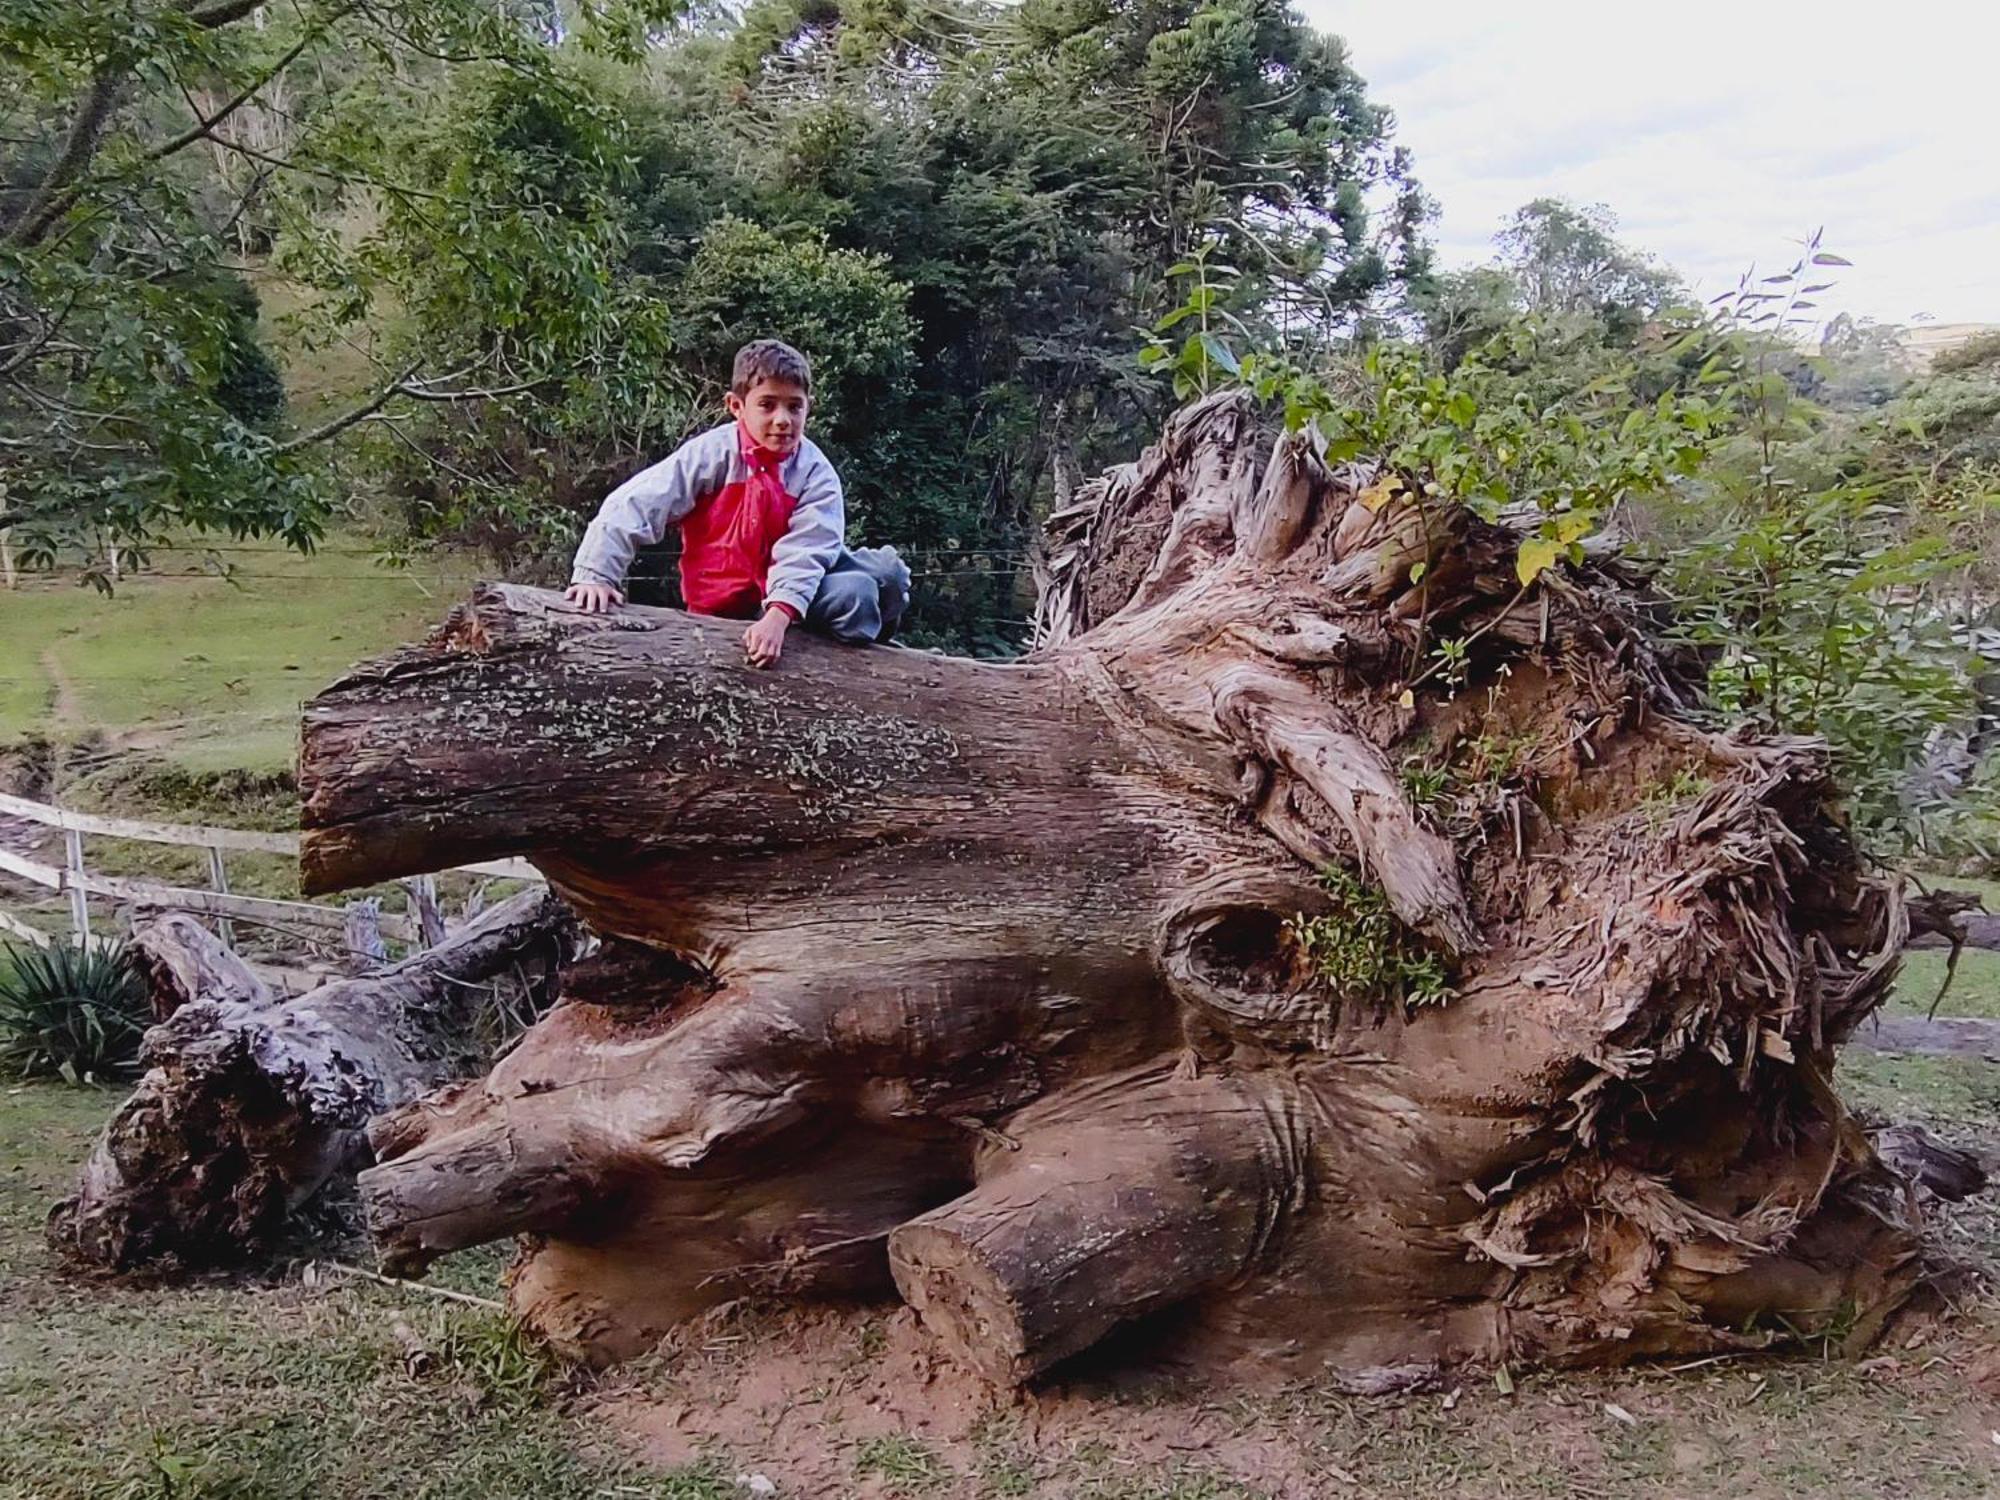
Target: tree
point(1215, 961)
point(1019, 181)
point(984, 201)
point(124, 348)
point(1567, 261)
point(251, 1103)
point(1861, 363)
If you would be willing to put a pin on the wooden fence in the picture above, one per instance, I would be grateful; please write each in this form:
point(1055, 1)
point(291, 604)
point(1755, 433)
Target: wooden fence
point(74, 879)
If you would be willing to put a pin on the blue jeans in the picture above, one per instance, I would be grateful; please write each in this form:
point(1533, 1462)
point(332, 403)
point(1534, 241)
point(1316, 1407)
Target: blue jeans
point(862, 597)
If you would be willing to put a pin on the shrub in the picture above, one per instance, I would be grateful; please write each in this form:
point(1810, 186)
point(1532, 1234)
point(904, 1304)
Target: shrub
point(1361, 950)
point(71, 1013)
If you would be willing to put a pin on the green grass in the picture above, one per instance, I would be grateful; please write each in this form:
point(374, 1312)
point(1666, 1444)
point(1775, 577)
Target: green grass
point(1975, 988)
point(270, 1389)
point(906, 1465)
point(207, 673)
point(258, 1391)
point(1963, 1091)
point(334, 375)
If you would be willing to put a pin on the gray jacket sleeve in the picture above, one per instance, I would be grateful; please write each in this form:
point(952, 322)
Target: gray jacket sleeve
point(812, 542)
point(640, 510)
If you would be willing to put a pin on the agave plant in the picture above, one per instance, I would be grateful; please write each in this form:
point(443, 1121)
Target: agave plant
point(71, 1013)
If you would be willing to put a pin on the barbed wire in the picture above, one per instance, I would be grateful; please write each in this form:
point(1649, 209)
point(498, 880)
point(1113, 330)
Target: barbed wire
point(646, 574)
point(390, 550)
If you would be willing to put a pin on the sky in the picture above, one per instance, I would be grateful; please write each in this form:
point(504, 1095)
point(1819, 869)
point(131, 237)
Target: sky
point(1720, 134)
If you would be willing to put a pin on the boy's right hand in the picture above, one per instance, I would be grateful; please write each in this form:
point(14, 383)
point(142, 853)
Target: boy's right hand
point(594, 598)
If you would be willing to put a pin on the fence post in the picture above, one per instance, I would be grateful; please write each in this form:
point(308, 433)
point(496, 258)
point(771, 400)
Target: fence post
point(79, 899)
point(218, 878)
point(365, 947)
point(428, 917)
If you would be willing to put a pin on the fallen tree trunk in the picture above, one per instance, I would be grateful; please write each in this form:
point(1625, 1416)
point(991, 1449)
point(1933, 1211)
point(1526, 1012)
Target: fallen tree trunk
point(1019, 988)
point(182, 962)
point(248, 1106)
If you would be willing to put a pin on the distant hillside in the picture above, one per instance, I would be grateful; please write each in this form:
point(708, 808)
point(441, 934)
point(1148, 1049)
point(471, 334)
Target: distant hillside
point(1924, 342)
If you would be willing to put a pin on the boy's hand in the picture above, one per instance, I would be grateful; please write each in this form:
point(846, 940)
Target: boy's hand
point(594, 598)
point(765, 641)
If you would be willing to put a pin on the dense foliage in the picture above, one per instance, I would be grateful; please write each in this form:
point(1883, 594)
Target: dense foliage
point(153, 152)
point(547, 236)
point(1828, 562)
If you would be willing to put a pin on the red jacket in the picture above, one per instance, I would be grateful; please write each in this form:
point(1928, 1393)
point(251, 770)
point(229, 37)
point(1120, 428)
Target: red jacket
point(755, 529)
point(728, 538)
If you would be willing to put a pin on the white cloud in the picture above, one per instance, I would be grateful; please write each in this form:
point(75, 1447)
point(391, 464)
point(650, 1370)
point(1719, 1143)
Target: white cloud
point(1721, 132)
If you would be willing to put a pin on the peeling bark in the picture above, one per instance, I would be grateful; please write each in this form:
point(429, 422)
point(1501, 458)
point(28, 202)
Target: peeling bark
point(248, 1107)
point(991, 979)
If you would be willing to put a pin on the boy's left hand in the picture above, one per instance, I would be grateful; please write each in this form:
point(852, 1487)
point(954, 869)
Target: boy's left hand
point(765, 641)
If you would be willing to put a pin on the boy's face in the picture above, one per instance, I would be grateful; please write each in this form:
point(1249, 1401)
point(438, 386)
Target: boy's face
point(773, 412)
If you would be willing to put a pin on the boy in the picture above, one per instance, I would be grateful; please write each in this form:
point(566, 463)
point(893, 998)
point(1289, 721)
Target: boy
point(761, 517)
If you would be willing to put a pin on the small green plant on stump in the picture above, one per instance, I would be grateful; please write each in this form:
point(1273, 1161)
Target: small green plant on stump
point(1662, 796)
point(1360, 948)
point(71, 1013)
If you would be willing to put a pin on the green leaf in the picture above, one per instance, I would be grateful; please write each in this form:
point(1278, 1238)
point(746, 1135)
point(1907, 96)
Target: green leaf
point(1828, 258)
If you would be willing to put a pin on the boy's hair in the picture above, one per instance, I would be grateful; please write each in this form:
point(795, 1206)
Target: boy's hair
point(770, 359)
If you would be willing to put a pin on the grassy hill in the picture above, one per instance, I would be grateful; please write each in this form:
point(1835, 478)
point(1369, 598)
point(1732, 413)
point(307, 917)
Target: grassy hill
point(206, 672)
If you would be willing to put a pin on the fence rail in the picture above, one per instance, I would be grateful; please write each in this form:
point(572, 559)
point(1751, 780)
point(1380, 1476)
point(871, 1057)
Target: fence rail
point(74, 879)
point(186, 835)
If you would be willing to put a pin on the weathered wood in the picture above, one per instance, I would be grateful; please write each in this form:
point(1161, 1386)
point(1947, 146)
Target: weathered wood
point(1973, 929)
point(14, 927)
point(144, 830)
point(248, 1105)
point(218, 879)
point(1134, 1193)
point(1938, 1169)
point(195, 836)
point(31, 870)
point(147, 894)
point(183, 962)
point(76, 882)
point(424, 912)
point(1007, 978)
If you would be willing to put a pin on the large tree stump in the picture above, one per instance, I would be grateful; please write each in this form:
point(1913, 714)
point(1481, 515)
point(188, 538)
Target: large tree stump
point(999, 980)
point(249, 1104)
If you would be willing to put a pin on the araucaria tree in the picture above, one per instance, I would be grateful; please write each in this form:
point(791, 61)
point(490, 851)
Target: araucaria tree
point(1216, 967)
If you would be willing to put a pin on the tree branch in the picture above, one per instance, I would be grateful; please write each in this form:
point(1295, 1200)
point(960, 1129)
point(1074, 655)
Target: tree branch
point(61, 187)
point(202, 127)
point(50, 328)
point(401, 386)
point(347, 419)
point(58, 190)
point(350, 178)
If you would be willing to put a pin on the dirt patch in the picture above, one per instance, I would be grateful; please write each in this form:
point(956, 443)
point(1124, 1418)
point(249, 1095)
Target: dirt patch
point(856, 1401)
point(64, 710)
point(850, 1403)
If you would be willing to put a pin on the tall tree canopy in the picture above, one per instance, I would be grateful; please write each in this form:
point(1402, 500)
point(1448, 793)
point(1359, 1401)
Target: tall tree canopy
point(154, 150)
point(548, 232)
